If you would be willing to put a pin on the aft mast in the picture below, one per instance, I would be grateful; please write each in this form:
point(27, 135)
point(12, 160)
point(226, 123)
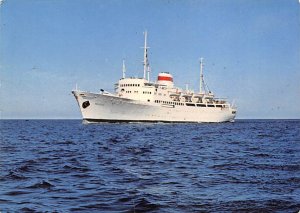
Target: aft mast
point(146, 62)
point(123, 69)
point(201, 76)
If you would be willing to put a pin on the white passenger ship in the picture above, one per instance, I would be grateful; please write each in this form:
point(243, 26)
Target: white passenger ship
point(139, 100)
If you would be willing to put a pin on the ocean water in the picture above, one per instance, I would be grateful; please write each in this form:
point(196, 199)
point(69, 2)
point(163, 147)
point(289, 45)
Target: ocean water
point(67, 166)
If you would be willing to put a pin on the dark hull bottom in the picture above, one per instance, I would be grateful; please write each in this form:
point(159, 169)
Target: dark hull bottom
point(139, 121)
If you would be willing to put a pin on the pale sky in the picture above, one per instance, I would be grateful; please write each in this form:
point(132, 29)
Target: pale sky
point(251, 50)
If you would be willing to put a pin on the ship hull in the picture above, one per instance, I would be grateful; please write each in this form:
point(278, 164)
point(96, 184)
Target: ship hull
point(110, 108)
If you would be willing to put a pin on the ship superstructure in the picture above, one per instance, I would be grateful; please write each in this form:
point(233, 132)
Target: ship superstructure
point(140, 100)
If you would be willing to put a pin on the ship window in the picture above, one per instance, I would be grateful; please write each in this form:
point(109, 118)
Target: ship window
point(188, 104)
point(148, 100)
point(138, 85)
point(201, 105)
point(218, 105)
point(210, 105)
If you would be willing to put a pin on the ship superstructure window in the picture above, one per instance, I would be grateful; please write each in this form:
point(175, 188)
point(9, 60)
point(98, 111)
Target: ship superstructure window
point(170, 102)
point(201, 105)
point(210, 105)
point(188, 104)
point(129, 85)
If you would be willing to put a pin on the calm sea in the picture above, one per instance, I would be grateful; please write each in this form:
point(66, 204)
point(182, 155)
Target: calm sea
point(67, 166)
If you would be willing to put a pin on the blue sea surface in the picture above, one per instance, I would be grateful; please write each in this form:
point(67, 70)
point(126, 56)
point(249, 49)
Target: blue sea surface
point(67, 166)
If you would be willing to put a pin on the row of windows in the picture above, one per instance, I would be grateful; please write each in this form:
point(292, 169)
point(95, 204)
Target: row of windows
point(128, 91)
point(168, 102)
point(129, 85)
point(204, 105)
point(188, 104)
